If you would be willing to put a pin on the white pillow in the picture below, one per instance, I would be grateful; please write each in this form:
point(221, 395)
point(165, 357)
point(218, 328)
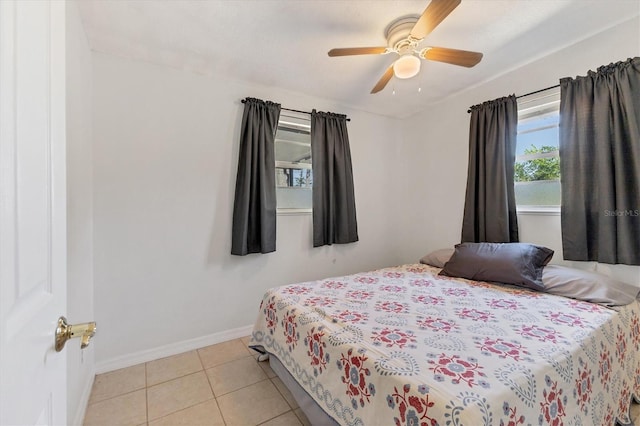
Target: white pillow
point(587, 286)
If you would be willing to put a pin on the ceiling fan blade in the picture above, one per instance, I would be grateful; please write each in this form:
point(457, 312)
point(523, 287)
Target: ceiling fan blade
point(383, 81)
point(463, 58)
point(347, 51)
point(432, 16)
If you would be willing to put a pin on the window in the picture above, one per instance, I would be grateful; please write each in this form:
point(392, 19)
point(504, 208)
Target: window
point(294, 177)
point(537, 168)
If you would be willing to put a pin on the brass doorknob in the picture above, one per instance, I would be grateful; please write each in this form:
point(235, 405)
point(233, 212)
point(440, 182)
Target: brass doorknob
point(65, 331)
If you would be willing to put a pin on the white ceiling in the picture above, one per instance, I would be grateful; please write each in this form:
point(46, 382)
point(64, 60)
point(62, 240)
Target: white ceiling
point(284, 43)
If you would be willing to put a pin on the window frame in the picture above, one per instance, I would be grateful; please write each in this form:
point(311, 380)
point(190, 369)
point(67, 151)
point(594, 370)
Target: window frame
point(305, 129)
point(532, 107)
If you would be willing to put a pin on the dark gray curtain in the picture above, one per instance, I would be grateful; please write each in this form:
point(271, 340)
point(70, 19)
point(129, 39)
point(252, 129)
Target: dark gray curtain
point(334, 206)
point(600, 164)
point(490, 205)
point(254, 209)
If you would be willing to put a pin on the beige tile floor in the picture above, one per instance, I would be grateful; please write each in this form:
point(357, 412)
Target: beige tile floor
point(221, 384)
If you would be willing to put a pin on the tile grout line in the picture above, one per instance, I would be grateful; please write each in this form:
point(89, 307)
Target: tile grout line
point(118, 395)
point(192, 403)
point(203, 368)
point(281, 414)
point(281, 394)
point(226, 362)
point(253, 384)
point(215, 399)
point(182, 374)
point(293, 410)
point(184, 409)
point(220, 411)
point(298, 417)
point(246, 386)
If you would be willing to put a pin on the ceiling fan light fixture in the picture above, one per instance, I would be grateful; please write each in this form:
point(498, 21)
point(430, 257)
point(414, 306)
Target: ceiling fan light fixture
point(406, 66)
point(404, 36)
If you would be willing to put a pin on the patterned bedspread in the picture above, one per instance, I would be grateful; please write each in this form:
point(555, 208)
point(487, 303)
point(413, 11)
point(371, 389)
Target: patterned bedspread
point(405, 346)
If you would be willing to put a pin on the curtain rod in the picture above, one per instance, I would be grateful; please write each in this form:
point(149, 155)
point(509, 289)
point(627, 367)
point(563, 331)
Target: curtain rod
point(296, 110)
point(537, 91)
point(302, 112)
point(531, 93)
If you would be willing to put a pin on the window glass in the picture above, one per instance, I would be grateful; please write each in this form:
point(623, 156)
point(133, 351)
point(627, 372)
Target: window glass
point(537, 168)
point(294, 177)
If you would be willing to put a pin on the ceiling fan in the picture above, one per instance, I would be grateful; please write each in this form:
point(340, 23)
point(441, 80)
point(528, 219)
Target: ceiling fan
point(404, 36)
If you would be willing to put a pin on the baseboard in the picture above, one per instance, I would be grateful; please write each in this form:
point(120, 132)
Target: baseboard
point(78, 419)
point(171, 349)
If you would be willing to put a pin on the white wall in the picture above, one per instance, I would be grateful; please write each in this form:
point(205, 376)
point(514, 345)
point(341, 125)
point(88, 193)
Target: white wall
point(80, 364)
point(436, 149)
point(165, 158)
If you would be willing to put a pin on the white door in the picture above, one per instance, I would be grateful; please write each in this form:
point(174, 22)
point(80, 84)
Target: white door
point(32, 211)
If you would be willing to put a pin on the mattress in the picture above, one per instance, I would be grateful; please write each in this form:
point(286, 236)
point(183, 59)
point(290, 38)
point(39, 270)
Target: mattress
point(405, 346)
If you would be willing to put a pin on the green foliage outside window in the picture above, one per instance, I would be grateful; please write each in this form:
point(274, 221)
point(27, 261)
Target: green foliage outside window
point(538, 168)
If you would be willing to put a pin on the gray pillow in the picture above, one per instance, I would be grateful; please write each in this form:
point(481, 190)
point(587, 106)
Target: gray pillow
point(587, 286)
point(512, 263)
point(437, 258)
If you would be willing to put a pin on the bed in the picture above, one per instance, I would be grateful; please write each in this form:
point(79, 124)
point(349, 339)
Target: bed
point(406, 346)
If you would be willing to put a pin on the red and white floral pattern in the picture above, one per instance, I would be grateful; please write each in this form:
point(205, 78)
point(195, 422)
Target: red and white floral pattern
point(289, 328)
point(316, 350)
point(296, 289)
point(393, 338)
point(424, 283)
point(437, 324)
point(320, 301)
point(583, 388)
point(457, 292)
point(514, 418)
point(355, 376)
point(502, 348)
point(412, 408)
point(406, 346)
point(508, 304)
point(336, 285)
point(393, 288)
point(458, 369)
point(621, 344)
point(359, 294)
point(393, 274)
point(564, 318)
point(353, 317)
point(604, 366)
point(388, 306)
point(553, 404)
point(427, 299)
point(475, 314)
point(270, 315)
point(543, 334)
point(635, 331)
point(365, 279)
point(579, 305)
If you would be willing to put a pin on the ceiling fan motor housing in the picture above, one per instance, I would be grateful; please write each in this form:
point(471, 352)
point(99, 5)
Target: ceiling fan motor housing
point(397, 34)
